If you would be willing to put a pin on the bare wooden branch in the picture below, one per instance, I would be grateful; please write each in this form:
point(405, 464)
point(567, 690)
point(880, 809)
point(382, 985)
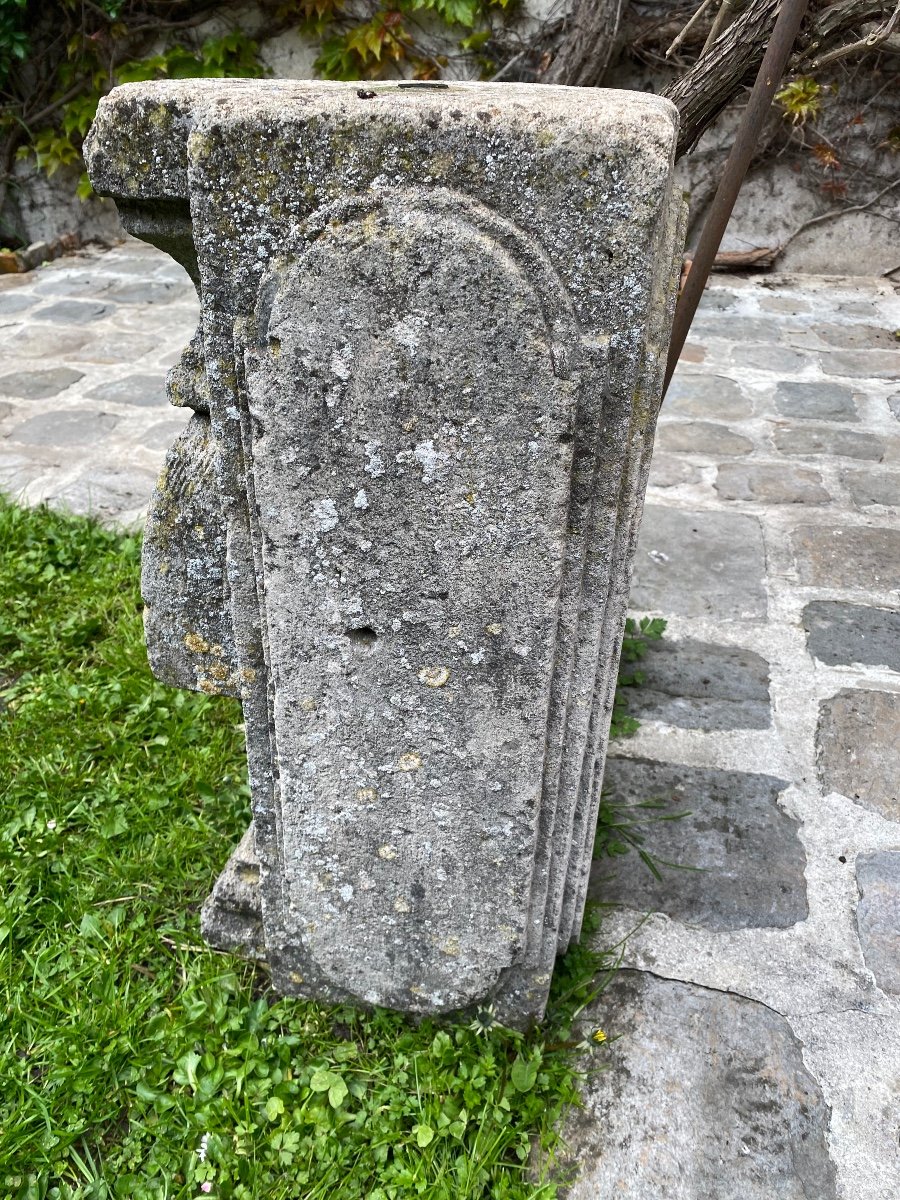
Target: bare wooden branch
point(716, 78)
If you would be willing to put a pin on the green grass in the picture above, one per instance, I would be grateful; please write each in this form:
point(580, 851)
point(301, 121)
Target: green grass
point(134, 1062)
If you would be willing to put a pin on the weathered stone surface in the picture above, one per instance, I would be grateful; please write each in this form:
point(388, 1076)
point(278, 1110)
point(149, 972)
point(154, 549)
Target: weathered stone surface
point(231, 916)
point(38, 385)
point(878, 915)
point(42, 342)
point(712, 877)
point(848, 556)
point(853, 335)
point(858, 749)
point(845, 443)
point(753, 329)
point(667, 471)
point(72, 312)
point(868, 364)
point(105, 494)
point(842, 634)
point(146, 391)
point(66, 427)
point(12, 303)
point(707, 396)
point(707, 1098)
point(769, 358)
point(699, 564)
point(702, 437)
point(698, 685)
point(822, 401)
point(160, 435)
point(190, 641)
point(866, 488)
point(770, 484)
point(894, 405)
point(431, 487)
point(145, 292)
point(116, 348)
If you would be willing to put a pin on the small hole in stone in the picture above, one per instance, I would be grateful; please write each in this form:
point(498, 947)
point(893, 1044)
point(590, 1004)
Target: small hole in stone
point(363, 635)
point(842, 858)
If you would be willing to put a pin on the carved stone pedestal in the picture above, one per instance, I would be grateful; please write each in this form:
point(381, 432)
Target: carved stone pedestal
point(400, 525)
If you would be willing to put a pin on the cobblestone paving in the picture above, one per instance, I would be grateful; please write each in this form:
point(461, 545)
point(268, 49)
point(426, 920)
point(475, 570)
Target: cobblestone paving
point(761, 1008)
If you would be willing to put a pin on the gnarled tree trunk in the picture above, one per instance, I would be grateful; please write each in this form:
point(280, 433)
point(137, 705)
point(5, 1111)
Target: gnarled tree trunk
point(588, 42)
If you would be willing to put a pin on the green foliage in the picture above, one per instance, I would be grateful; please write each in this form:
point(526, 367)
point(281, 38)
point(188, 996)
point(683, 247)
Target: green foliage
point(801, 99)
point(59, 145)
point(14, 42)
point(382, 36)
point(638, 635)
point(136, 1063)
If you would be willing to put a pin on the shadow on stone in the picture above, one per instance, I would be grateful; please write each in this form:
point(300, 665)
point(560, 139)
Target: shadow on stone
point(706, 1098)
point(747, 862)
point(699, 685)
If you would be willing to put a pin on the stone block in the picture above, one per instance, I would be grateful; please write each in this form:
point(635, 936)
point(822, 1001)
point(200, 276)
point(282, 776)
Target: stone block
point(706, 1098)
point(144, 391)
point(65, 427)
point(710, 857)
point(878, 915)
point(858, 749)
point(865, 487)
point(430, 410)
point(822, 401)
point(698, 685)
point(813, 442)
point(699, 564)
point(106, 493)
point(770, 484)
point(72, 312)
point(707, 396)
point(848, 556)
point(842, 634)
point(39, 385)
point(776, 359)
point(701, 437)
point(865, 364)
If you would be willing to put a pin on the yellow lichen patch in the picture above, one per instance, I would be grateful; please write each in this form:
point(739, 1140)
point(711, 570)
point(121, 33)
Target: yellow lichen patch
point(164, 567)
point(409, 762)
point(450, 947)
point(387, 852)
point(434, 677)
point(401, 905)
point(296, 977)
point(199, 532)
point(219, 671)
point(209, 687)
point(494, 629)
point(366, 795)
point(196, 644)
point(308, 705)
point(249, 875)
point(248, 675)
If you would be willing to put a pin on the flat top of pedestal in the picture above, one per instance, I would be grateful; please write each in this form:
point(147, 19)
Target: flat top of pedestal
point(137, 145)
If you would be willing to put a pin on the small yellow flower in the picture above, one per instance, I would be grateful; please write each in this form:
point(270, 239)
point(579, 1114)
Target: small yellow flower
point(598, 1036)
